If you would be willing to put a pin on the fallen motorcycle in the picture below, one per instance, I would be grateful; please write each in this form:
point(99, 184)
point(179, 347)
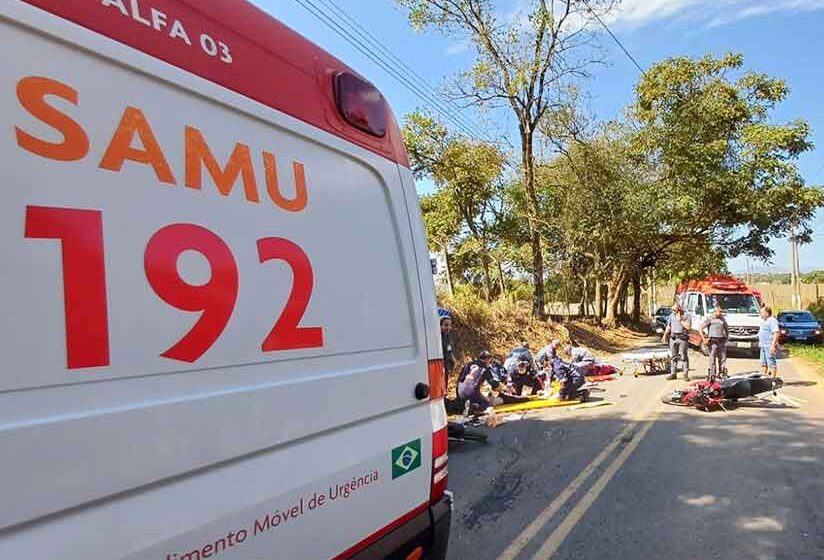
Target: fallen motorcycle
point(720, 393)
point(459, 432)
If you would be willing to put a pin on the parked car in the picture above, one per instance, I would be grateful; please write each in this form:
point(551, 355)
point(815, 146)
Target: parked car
point(799, 326)
point(659, 320)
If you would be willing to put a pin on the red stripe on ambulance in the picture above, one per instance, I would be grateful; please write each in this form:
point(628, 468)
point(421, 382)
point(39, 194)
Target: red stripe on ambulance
point(203, 38)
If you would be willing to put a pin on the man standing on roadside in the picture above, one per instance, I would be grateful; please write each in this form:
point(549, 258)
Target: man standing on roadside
point(677, 331)
point(449, 361)
point(768, 336)
point(714, 334)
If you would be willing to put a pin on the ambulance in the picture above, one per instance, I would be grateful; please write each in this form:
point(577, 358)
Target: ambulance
point(741, 305)
point(219, 330)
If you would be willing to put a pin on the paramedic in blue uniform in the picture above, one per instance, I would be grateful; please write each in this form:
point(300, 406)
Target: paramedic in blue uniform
point(471, 380)
point(714, 333)
point(677, 332)
point(449, 360)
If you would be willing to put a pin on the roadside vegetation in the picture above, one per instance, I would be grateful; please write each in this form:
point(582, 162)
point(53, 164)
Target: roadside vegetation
point(563, 207)
point(504, 323)
point(814, 355)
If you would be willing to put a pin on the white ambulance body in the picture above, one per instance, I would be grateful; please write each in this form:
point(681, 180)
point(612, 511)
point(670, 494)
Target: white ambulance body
point(219, 330)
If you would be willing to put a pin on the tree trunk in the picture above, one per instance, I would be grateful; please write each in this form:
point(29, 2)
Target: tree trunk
point(599, 299)
point(528, 161)
point(488, 289)
point(636, 297)
point(617, 287)
point(623, 304)
point(484, 253)
point(501, 278)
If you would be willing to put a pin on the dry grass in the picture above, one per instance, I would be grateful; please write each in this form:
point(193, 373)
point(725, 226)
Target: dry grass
point(603, 340)
point(501, 325)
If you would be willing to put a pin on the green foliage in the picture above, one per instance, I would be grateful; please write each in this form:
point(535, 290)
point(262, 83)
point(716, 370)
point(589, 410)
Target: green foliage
point(817, 309)
point(811, 354)
point(815, 277)
point(522, 64)
point(465, 216)
point(699, 171)
point(729, 168)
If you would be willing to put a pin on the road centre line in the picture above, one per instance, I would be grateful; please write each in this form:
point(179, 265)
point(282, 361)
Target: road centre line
point(554, 541)
point(519, 543)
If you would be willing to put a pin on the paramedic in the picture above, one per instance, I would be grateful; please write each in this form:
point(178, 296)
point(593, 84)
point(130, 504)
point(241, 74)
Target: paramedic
point(472, 378)
point(449, 360)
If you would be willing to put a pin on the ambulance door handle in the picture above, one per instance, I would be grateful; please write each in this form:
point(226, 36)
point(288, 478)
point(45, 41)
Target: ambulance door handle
point(421, 391)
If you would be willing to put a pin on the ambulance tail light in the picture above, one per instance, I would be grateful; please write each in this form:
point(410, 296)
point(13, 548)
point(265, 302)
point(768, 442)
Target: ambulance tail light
point(440, 460)
point(361, 104)
point(437, 380)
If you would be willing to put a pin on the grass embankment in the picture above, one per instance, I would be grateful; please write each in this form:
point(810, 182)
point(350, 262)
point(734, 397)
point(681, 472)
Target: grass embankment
point(501, 325)
point(813, 355)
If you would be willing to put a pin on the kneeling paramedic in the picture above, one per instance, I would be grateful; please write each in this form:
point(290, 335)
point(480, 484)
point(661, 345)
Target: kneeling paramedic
point(714, 333)
point(677, 331)
point(569, 376)
point(524, 374)
point(472, 378)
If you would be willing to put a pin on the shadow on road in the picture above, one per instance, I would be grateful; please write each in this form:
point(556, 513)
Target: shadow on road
point(800, 383)
point(742, 484)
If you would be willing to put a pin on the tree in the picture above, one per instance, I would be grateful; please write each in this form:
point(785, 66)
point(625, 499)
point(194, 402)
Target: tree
point(523, 64)
point(442, 225)
point(699, 174)
point(814, 277)
point(729, 171)
point(468, 175)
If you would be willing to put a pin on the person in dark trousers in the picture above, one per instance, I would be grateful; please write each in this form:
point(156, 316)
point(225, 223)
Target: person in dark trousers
point(677, 333)
point(569, 376)
point(524, 375)
point(472, 378)
point(449, 361)
point(714, 333)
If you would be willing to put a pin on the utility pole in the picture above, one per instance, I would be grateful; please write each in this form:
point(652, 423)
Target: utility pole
point(798, 275)
point(795, 272)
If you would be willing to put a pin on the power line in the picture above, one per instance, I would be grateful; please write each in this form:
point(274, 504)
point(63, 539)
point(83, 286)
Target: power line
point(378, 44)
point(614, 38)
point(312, 8)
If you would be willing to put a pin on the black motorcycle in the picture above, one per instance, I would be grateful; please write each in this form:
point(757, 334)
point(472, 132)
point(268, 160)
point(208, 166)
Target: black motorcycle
point(720, 393)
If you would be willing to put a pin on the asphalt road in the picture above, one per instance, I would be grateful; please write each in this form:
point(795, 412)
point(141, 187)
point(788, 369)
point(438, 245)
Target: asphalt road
point(638, 479)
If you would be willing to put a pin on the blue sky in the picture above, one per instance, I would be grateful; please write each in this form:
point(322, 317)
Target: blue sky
point(782, 38)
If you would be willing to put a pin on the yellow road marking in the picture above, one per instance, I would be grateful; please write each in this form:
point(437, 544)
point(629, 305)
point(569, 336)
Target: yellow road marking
point(554, 541)
point(517, 545)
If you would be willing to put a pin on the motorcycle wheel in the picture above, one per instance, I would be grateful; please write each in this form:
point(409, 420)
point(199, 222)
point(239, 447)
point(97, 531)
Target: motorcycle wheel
point(460, 433)
point(469, 435)
point(675, 398)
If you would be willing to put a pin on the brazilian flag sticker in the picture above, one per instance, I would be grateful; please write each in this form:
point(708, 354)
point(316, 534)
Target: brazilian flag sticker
point(406, 458)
